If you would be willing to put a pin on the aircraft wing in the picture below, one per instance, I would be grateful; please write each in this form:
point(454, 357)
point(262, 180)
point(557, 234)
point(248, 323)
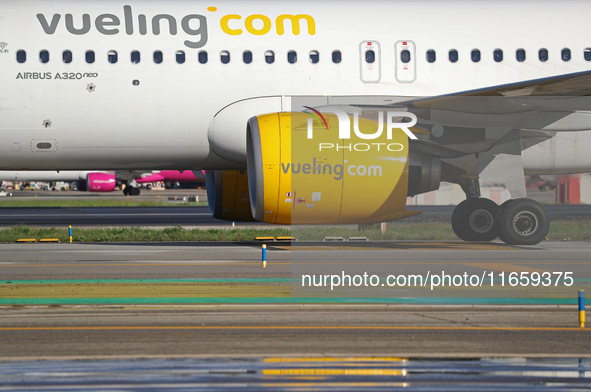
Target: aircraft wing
point(481, 133)
point(474, 121)
point(575, 84)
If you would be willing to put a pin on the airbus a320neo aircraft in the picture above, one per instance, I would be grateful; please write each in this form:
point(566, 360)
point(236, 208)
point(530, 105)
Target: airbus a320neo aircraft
point(329, 111)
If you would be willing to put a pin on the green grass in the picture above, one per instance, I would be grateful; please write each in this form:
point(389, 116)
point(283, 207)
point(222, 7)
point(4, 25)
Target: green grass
point(575, 229)
point(572, 229)
point(76, 203)
point(137, 234)
point(431, 230)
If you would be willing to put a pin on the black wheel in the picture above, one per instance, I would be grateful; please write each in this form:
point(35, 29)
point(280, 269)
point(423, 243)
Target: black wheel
point(475, 220)
point(126, 191)
point(134, 191)
point(523, 222)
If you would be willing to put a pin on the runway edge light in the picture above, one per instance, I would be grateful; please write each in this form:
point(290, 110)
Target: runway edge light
point(264, 256)
point(70, 233)
point(582, 308)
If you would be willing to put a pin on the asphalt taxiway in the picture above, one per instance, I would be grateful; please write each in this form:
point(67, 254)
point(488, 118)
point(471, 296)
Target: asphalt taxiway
point(307, 373)
point(93, 300)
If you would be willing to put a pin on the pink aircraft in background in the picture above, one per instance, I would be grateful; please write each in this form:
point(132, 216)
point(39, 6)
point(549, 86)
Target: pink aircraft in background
point(169, 175)
point(102, 181)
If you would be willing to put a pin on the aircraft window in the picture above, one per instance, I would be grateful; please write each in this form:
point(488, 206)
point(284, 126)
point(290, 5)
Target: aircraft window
point(247, 57)
point(135, 57)
point(498, 55)
point(21, 56)
point(336, 56)
point(453, 55)
point(314, 56)
point(543, 55)
point(225, 57)
point(44, 56)
point(431, 57)
point(180, 57)
point(587, 54)
point(292, 57)
point(405, 56)
point(202, 57)
point(565, 54)
point(269, 57)
point(90, 56)
point(475, 55)
point(112, 56)
point(67, 56)
point(158, 57)
point(520, 55)
point(370, 56)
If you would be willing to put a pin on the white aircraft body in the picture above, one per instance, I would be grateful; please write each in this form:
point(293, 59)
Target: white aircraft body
point(45, 176)
point(493, 90)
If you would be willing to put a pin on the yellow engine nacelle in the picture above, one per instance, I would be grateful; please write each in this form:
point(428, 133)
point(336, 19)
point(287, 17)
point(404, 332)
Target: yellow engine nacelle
point(227, 195)
point(302, 170)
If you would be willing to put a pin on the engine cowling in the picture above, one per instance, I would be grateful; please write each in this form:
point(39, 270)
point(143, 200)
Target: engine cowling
point(300, 170)
point(101, 182)
point(227, 195)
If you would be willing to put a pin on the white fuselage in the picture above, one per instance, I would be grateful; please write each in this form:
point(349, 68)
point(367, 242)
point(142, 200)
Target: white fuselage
point(34, 175)
point(149, 115)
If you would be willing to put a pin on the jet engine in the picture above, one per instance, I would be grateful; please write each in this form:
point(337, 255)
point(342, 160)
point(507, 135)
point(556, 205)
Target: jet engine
point(100, 182)
point(303, 169)
point(227, 195)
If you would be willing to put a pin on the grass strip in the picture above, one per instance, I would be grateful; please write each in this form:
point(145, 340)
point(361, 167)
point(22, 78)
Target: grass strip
point(573, 229)
point(570, 229)
point(137, 234)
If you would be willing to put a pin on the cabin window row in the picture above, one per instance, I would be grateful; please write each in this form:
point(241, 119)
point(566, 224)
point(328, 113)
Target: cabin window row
point(179, 56)
point(498, 55)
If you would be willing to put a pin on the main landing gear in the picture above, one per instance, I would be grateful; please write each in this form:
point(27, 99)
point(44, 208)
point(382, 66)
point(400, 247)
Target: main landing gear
point(516, 222)
point(131, 191)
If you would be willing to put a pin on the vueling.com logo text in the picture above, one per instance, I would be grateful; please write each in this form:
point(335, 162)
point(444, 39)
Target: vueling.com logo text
point(194, 25)
point(393, 121)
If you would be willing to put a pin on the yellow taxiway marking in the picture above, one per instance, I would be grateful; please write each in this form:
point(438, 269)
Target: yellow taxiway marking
point(333, 372)
point(292, 327)
point(507, 267)
point(334, 359)
point(143, 290)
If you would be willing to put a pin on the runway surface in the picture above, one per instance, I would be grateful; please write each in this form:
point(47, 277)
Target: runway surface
point(208, 316)
point(197, 216)
point(300, 373)
point(196, 298)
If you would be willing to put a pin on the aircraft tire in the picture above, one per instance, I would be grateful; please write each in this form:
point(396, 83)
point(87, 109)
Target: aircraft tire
point(475, 219)
point(523, 222)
